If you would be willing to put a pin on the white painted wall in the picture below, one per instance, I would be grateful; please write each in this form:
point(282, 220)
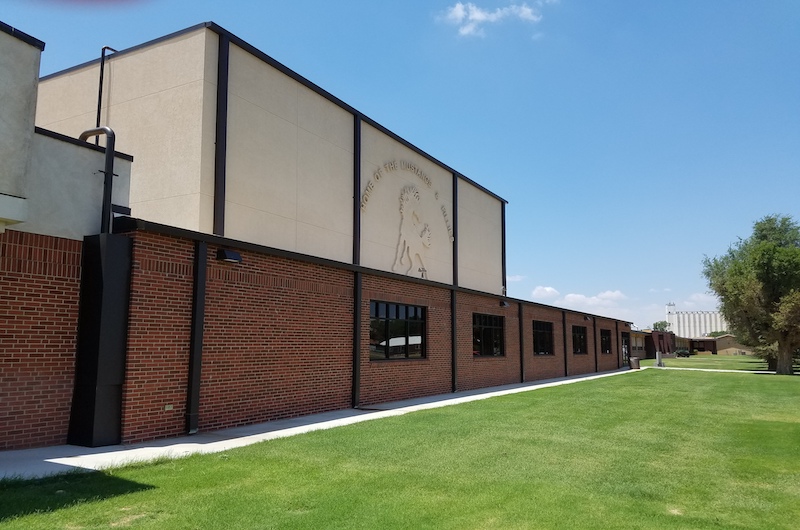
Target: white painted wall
point(160, 101)
point(19, 75)
point(64, 189)
point(387, 169)
point(480, 243)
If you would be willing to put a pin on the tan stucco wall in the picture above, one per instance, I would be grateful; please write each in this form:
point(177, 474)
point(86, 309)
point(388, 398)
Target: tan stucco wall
point(160, 101)
point(64, 189)
point(19, 75)
point(387, 169)
point(289, 163)
point(480, 243)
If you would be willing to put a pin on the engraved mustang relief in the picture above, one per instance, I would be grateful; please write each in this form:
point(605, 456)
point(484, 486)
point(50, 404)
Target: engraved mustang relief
point(415, 236)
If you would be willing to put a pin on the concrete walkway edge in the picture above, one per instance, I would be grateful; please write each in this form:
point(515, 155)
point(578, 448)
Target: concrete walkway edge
point(45, 461)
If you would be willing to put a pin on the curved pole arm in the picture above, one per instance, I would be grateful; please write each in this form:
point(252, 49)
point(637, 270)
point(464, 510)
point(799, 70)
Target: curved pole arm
point(105, 221)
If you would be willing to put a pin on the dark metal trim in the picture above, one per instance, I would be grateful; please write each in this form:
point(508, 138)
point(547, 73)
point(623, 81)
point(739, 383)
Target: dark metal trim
point(618, 339)
point(503, 221)
point(454, 340)
point(80, 143)
point(564, 333)
point(100, 88)
point(221, 143)
point(357, 295)
point(454, 214)
point(196, 338)
point(521, 345)
point(594, 339)
point(122, 210)
point(24, 37)
point(356, 189)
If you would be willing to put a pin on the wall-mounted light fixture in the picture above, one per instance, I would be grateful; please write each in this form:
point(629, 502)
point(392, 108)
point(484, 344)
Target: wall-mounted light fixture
point(587, 318)
point(230, 256)
point(503, 303)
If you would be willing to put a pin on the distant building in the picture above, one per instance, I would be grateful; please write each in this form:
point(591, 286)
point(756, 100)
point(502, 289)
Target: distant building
point(694, 323)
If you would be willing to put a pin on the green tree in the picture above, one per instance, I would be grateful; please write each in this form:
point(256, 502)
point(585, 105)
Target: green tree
point(715, 334)
point(758, 284)
point(661, 325)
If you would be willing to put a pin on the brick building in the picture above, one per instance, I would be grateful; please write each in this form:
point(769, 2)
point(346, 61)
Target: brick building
point(278, 253)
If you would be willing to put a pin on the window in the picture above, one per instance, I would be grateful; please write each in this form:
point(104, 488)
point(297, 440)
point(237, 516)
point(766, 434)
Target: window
point(396, 331)
point(543, 338)
point(487, 335)
point(605, 341)
point(579, 340)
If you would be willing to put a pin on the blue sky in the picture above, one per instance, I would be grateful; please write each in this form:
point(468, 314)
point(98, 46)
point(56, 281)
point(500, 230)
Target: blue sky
point(630, 138)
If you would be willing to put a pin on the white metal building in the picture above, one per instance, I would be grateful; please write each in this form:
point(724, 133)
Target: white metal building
point(692, 324)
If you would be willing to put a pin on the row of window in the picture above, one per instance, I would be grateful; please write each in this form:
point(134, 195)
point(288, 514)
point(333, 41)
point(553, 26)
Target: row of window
point(397, 331)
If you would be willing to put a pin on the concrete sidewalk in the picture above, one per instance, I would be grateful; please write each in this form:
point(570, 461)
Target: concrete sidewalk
point(44, 461)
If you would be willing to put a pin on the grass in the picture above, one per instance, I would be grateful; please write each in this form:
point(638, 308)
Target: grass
point(715, 362)
point(648, 449)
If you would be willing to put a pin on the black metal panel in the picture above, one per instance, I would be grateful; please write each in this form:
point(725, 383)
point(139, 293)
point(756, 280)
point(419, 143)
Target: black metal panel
point(96, 415)
point(454, 339)
point(594, 338)
point(454, 213)
point(564, 333)
point(221, 144)
point(521, 346)
point(196, 339)
point(357, 294)
point(503, 257)
point(356, 190)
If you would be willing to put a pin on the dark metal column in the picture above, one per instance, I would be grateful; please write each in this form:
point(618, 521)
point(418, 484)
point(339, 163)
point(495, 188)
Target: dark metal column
point(221, 144)
point(96, 414)
point(521, 346)
point(594, 339)
point(196, 340)
point(357, 276)
point(564, 331)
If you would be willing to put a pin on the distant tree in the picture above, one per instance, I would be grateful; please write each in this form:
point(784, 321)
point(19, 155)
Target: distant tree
point(715, 334)
point(661, 325)
point(758, 284)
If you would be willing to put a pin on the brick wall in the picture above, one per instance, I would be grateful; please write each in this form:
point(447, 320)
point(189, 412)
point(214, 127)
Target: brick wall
point(478, 372)
point(543, 366)
point(39, 288)
point(608, 361)
point(159, 325)
point(278, 340)
point(580, 363)
point(392, 380)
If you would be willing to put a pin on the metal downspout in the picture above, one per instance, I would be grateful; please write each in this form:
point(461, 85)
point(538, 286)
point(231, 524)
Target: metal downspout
point(105, 221)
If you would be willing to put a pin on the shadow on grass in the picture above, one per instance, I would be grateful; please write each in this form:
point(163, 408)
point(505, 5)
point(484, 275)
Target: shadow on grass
point(24, 496)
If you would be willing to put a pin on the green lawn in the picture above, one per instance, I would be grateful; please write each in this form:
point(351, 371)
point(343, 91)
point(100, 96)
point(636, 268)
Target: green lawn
point(717, 362)
point(647, 449)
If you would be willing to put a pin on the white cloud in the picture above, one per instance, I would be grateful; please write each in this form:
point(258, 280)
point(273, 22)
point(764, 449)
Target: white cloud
point(470, 18)
point(700, 302)
point(542, 292)
point(602, 301)
point(514, 278)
